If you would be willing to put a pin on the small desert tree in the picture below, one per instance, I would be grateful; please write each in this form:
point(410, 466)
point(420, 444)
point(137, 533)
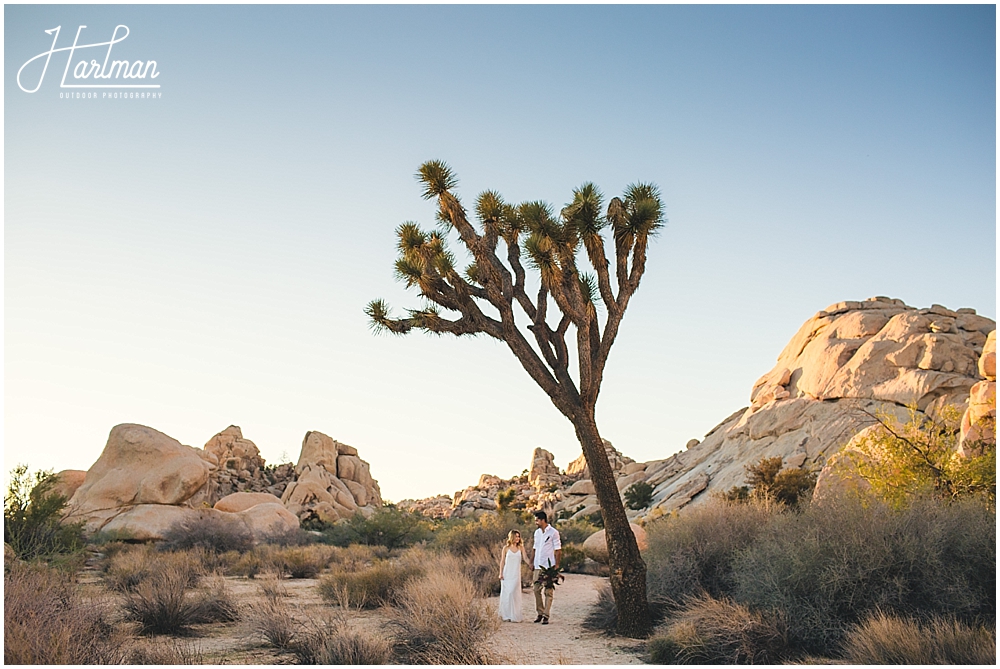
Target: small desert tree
point(485, 298)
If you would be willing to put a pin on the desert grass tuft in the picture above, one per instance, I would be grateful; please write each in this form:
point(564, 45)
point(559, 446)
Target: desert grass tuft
point(160, 605)
point(719, 631)
point(270, 586)
point(128, 568)
point(884, 639)
point(328, 642)
point(46, 621)
point(215, 603)
point(270, 620)
point(302, 561)
point(441, 620)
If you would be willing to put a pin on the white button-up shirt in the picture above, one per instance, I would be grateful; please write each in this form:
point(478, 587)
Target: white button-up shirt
point(547, 542)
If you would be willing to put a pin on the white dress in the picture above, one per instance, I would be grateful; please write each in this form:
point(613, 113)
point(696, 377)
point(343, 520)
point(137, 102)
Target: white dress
point(510, 587)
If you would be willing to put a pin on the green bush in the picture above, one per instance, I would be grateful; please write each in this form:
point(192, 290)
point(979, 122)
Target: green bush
point(32, 517)
point(566, 514)
point(575, 531)
point(505, 498)
point(832, 566)
point(388, 526)
point(572, 558)
point(368, 587)
point(489, 531)
point(822, 570)
point(913, 460)
point(639, 495)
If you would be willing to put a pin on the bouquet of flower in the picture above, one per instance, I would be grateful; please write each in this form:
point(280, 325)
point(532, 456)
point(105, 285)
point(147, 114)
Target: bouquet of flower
point(550, 577)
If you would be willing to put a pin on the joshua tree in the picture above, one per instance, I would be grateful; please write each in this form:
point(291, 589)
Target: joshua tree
point(485, 298)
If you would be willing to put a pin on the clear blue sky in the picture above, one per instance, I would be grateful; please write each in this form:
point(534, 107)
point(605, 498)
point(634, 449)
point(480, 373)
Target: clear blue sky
point(203, 259)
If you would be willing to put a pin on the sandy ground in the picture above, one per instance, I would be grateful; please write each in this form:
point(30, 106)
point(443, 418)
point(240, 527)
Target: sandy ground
point(563, 641)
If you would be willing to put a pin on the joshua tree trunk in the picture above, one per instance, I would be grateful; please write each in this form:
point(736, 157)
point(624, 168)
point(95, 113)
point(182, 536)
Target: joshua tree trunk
point(628, 570)
point(566, 297)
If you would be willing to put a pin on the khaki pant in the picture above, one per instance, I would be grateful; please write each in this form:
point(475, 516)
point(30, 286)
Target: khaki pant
point(543, 604)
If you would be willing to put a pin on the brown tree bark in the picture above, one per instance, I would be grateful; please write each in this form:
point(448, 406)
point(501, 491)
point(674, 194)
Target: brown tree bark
point(628, 570)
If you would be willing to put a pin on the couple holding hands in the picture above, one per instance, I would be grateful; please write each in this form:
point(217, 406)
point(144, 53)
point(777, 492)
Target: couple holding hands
point(546, 551)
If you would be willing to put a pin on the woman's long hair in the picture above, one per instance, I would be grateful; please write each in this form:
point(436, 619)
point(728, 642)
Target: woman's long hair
point(511, 536)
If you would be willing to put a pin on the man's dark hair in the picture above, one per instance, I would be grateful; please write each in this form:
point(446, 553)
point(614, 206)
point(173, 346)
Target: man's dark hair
point(541, 515)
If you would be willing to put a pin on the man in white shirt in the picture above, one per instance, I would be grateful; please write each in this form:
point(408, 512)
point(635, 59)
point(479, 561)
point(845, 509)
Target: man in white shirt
point(546, 551)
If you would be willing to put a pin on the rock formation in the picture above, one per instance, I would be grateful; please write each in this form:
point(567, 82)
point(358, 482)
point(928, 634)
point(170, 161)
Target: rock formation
point(578, 468)
point(979, 423)
point(543, 472)
point(241, 501)
point(432, 507)
point(331, 482)
point(879, 355)
point(144, 482)
point(141, 467)
point(68, 481)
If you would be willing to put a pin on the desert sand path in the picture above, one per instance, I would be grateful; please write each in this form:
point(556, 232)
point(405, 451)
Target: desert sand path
point(563, 640)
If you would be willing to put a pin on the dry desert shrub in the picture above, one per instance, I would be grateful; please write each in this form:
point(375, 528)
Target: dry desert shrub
point(482, 566)
point(148, 651)
point(884, 639)
point(368, 587)
point(128, 568)
point(829, 568)
point(161, 605)
point(695, 552)
point(301, 561)
point(720, 631)
point(215, 562)
point(250, 564)
point(270, 620)
point(46, 622)
point(215, 603)
point(211, 533)
point(270, 586)
point(356, 556)
point(330, 642)
point(440, 619)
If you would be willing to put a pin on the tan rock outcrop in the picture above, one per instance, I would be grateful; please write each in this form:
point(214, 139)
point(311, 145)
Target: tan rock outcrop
point(231, 451)
point(543, 471)
point(151, 522)
point(67, 482)
point(596, 545)
point(139, 466)
point(578, 467)
point(979, 422)
point(432, 507)
point(268, 518)
point(319, 491)
point(241, 501)
point(875, 356)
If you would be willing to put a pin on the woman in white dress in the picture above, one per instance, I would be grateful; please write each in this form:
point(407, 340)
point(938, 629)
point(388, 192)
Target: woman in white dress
point(510, 577)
